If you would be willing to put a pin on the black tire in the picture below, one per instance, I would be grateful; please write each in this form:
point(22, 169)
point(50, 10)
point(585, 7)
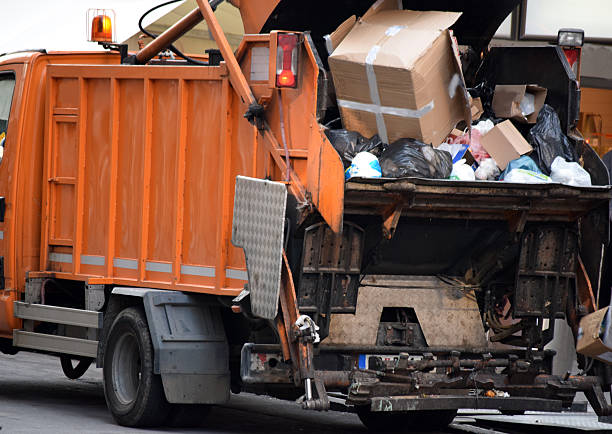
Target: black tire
point(134, 394)
point(188, 415)
point(423, 420)
point(74, 372)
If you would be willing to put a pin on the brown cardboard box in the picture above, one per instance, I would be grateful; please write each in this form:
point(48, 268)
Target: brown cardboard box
point(476, 109)
point(505, 143)
point(507, 99)
point(589, 340)
point(396, 73)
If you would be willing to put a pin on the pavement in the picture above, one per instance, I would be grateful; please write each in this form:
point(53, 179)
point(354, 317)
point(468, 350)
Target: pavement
point(36, 397)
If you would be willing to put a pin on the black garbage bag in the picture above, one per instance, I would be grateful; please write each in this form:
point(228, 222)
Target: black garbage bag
point(350, 143)
point(409, 157)
point(548, 140)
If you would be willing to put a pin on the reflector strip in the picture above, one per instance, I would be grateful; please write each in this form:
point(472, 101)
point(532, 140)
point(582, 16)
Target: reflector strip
point(128, 264)
point(65, 258)
point(237, 274)
point(92, 260)
point(159, 267)
point(195, 270)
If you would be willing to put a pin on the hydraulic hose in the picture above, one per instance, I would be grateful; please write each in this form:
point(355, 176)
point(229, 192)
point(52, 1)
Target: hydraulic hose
point(171, 47)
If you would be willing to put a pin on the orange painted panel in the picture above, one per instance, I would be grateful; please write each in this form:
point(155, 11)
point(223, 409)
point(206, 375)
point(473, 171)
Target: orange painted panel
point(67, 93)
point(202, 195)
point(163, 185)
point(97, 166)
point(130, 171)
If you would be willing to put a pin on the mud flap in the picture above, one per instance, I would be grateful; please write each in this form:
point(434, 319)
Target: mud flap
point(191, 351)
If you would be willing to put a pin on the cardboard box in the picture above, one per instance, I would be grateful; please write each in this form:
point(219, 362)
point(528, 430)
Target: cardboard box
point(507, 101)
point(505, 143)
point(476, 109)
point(397, 74)
point(592, 339)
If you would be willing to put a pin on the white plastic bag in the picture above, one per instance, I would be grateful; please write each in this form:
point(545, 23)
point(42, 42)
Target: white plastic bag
point(364, 165)
point(483, 127)
point(487, 170)
point(528, 104)
point(569, 173)
point(462, 172)
point(523, 176)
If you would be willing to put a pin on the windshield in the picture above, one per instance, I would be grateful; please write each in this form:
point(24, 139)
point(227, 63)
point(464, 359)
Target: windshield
point(7, 85)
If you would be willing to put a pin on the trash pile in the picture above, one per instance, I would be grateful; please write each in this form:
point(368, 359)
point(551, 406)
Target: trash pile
point(401, 94)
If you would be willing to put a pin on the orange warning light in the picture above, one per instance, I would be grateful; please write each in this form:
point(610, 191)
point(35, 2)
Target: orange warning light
point(102, 28)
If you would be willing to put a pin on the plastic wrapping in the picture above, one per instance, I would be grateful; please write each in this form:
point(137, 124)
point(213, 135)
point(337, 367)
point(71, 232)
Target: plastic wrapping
point(548, 140)
point(524, 162)
point(487, 170)
point(364, 165)
point(462, 172)
point(522, 176)
point(409, 157)
point(350, 143)
point(569, 173)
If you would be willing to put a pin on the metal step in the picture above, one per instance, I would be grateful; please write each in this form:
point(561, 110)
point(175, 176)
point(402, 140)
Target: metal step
point(55, 344)
point(58, 315)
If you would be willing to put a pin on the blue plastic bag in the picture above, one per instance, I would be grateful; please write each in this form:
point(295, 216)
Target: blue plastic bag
point(524, 162)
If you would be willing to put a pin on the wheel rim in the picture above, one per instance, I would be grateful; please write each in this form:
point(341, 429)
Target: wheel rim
point(126, 369)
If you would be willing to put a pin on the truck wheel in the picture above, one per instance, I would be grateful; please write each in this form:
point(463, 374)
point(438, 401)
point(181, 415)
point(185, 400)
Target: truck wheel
point(74, 372)
point(423, 420)
point(188, 415)
point(134, 394)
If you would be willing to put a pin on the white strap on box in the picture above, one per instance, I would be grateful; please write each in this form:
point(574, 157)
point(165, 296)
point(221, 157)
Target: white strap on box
point(376, 107)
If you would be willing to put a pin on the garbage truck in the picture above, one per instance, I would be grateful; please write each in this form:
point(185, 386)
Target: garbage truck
point(184, 224)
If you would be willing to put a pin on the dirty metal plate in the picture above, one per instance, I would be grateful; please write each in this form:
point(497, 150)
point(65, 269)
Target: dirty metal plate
point(259, 222)
point(447, 315)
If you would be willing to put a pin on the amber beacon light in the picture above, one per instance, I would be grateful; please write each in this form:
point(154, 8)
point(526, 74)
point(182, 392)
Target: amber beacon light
point(100, 25)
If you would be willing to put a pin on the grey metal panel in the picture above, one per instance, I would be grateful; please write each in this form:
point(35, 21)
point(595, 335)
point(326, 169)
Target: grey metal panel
point(58, 315)
point(190, 346)
point(56, 344)
point(565, 421)
point(133, 292)
point(259, 222)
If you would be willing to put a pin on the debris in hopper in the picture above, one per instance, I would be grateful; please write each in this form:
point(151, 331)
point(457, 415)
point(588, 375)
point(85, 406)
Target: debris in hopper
point(569, 173)
point(420, 93)
point(524, 162)
point(549, 141)
point(521, 102)
point(487, 170)
point(350, 143)
point(522, 176)
point(462, 172)
point(505, 143)
point(411, 158)
point(364, 165)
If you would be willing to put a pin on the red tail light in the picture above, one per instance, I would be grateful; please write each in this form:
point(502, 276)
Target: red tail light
point(287, 60)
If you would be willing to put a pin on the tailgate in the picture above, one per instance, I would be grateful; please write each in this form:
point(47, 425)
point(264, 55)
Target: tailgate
point(486, 200)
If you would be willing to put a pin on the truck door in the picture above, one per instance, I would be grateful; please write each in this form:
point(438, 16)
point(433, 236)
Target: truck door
point(10, 75)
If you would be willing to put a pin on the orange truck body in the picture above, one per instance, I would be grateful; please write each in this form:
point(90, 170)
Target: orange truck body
point(138, 167)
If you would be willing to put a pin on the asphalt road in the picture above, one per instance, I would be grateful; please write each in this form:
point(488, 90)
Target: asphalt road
point(36, 397)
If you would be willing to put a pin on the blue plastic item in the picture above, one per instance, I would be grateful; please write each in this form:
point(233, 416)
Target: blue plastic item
point(524, 162)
